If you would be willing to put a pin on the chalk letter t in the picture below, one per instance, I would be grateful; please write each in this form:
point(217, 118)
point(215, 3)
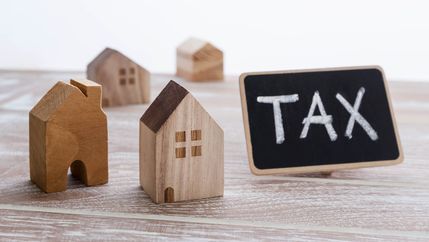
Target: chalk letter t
point(278, 121)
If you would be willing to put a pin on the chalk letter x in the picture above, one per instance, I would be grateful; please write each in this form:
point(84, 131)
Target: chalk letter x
point(356, 116)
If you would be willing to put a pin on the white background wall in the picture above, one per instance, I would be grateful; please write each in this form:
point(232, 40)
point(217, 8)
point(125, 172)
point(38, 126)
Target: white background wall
point(255, 35)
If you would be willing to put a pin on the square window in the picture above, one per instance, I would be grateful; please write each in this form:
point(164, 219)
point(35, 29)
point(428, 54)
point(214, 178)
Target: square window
point(122, 81)
point(181, 136)
point(181, 152)
point(196, 150)
point(131, 80)
point(196, 135)
point(132, 70)
point(122, 71)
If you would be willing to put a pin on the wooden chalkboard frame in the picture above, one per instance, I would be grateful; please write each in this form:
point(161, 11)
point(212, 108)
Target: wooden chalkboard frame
point(314, 168)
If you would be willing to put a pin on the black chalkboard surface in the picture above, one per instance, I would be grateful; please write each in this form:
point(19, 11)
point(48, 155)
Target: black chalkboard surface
point(318, 120)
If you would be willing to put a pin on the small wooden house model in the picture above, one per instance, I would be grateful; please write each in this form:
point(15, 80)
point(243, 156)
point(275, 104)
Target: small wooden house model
point(68, 128)
point(198, 60)
point(123, 81)
point(181, 149)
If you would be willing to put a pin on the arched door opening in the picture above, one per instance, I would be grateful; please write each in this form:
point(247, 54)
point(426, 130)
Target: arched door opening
point(78, 171)
point(169, 195)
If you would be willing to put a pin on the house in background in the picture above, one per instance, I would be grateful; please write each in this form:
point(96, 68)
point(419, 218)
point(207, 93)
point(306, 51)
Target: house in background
point(68, 128)
point(198, 60)
point(123, 81)
point(181, 149)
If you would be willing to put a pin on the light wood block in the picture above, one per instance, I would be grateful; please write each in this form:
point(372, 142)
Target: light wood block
point(123, 80)
point(68, 128)
point(181, 149)
point(198, 60)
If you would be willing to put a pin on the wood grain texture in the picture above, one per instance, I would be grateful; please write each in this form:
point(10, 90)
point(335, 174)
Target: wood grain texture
point(182, 157)
point(387, 203)
point(68, 128)
point(14, 225)
point(198, 60)
point(123, 81)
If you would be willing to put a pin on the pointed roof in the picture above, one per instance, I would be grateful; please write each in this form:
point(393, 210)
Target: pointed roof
point(163, 106)
point(104, 55)
point(52, 100)
point(192, 46)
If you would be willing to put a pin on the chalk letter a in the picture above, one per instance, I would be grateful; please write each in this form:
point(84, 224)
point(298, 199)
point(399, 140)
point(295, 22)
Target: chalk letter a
point(320, 119)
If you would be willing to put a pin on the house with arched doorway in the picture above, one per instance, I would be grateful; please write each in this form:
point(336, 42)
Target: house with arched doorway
point(181, 149)
point(68, 129)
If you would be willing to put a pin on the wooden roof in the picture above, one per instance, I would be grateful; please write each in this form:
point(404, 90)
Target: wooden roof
point(52, 100)
point(192, 46)
point(106, 54)
point(163, 106)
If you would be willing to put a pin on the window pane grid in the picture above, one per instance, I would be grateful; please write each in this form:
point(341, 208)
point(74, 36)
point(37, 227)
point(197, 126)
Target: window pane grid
point(181, 152)
point(196, 150)
point(181, 136)
point(196, 135)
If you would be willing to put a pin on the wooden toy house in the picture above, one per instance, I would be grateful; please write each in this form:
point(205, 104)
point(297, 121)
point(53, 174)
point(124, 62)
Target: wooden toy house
point(68, 128)
point(198, 60)
point(181, 149)
point(123, 81)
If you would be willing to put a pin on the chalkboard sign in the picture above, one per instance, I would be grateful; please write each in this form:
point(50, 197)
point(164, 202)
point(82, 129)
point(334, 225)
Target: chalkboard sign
point(318, 120)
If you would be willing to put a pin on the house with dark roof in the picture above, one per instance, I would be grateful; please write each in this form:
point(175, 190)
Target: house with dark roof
point(68, 129)
point(199, 60)
point(181, 149)
point(123, 80)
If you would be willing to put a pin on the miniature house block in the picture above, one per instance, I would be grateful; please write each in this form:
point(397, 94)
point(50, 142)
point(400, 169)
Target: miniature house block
point(181, 149)
point(123, 81)
point(198, 60)
point(68, 128)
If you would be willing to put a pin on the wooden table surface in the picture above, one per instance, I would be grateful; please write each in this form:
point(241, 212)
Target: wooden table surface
point(384, 203)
